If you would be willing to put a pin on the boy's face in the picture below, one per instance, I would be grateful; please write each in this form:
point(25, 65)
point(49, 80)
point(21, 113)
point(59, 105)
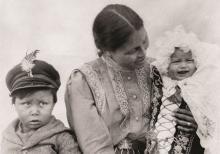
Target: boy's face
point(181, 65)
point(34, 111)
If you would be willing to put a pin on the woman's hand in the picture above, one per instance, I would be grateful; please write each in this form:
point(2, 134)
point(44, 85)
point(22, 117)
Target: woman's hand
point(185, 120)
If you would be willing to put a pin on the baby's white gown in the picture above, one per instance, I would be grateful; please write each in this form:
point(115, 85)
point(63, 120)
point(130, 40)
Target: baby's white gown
point(201, 91)
point(202, 94)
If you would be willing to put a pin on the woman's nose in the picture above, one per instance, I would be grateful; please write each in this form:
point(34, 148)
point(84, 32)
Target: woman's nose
point(142, 51)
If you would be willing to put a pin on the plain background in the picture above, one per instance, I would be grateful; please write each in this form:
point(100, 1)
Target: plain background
point(62, 31)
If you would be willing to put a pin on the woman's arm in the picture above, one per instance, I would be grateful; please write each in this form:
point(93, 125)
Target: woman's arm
point(91, 131)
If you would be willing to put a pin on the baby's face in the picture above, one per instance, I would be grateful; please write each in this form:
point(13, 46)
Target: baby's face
point(34, 110)
point(181, 65)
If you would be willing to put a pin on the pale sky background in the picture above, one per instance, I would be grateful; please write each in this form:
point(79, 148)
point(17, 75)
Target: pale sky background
point(62, 30)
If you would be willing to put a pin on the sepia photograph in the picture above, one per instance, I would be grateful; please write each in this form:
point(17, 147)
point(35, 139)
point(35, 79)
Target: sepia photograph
point(110, 77)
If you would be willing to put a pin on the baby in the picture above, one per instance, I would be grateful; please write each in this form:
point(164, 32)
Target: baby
point(189, 75)
point(33, 86)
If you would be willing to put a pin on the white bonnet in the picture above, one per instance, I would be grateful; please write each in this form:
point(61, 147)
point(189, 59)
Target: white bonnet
point(165, 46)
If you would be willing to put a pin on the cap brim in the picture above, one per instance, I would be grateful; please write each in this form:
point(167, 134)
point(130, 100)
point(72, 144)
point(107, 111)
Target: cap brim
point(32, 87)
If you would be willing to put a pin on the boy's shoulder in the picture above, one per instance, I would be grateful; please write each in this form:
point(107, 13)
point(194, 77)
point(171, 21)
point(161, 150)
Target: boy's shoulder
point(66, 136)
point(63, 138)
point(9, 133)
point(66, 142)
point(59, 129)
point(11, 127)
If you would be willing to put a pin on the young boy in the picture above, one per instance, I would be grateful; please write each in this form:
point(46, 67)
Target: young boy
point(33, 86)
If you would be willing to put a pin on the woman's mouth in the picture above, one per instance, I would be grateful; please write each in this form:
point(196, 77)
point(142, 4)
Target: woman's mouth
point(140, 60)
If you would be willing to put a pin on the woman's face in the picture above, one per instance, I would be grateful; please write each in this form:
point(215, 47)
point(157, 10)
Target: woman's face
point(132, 54)
point(181, 65)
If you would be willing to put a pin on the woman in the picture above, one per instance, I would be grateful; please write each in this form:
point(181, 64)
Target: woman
point(110, 100)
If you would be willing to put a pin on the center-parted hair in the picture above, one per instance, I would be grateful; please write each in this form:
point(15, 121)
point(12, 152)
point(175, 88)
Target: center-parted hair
point(113, 26)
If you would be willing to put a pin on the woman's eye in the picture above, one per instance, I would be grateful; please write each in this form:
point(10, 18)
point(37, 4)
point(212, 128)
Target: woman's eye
point(131, 52)
point(137, 48)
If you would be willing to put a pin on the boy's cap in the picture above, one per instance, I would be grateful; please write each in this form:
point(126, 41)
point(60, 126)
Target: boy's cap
point(42, 75)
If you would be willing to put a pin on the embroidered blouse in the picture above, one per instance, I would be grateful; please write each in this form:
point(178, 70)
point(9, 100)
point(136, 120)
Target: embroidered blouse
point(107, 103)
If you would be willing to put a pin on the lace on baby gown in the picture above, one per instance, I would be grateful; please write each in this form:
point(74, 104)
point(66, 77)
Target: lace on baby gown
point(165, 125)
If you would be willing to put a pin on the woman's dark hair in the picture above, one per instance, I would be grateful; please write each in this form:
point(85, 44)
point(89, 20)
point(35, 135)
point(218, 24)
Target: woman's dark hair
point(113, 26)
point(21, 93)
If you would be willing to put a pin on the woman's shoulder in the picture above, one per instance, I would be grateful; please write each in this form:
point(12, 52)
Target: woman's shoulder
point(94, 64)
point(95, 67)
point(156, 76)
point(150, 63)
point(88, 71)
point(154, 72)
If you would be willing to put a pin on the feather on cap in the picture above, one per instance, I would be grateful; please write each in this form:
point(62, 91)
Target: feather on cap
point(32, 73)
point(27, 63)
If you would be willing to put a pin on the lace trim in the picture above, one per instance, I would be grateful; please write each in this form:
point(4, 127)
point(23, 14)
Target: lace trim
point(114, 71)
point(208, 127)
point(141, 74)
point(119, 90)
point(165, 126)
point(117, 82)
point(96, 86)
